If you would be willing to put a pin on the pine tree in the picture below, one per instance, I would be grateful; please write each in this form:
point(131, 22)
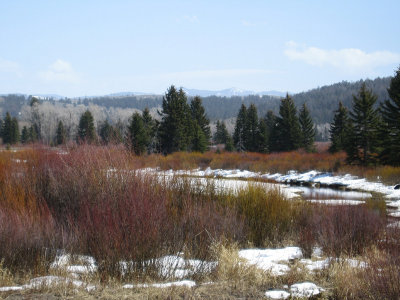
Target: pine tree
point(60, 134)
point(176, 125)
point(307, 129)
point(86, 132)
point(32, 134)
point(365, 119)
point(239, 136)
point(137, 135)
point(288, 128)
point(262, 137)
point(271, 123)
point(199, 115)
point(14, 131)
point(7, 129)
point(339, 129)
point(150, 126)
point(199, 141)
point(1, 128)
point(229, 143)
point(391, 119)
point(251, 129)
point(24, 135)
point(107, 133)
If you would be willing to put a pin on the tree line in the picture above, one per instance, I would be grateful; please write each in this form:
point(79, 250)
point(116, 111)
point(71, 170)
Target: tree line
point(369, 134)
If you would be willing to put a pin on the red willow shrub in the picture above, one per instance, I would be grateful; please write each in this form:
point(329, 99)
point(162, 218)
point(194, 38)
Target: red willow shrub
point(106, 209)
point(340, 230)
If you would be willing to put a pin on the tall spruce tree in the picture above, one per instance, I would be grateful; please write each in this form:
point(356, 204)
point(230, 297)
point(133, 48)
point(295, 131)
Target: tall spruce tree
point(61, 135)
point(339, 129)
point(7, 129)
point(307, 129)
point(86, 131)
point(365, 119)
point(199, 140)
point(251, 129)
point(176, 125)
point(106, 132)
point(138, 137)
point(199, 115)
point(239, 136)
point(262, 137)
point(271, 123)
point(14, 131)
point(150, 126)
point(24, 135)
point(221, 133)
point(391, 120)
point(288, 128)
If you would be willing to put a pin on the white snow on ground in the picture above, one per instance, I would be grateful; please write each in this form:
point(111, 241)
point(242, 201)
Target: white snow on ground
point(337, 202)
point(349, 181)
point(305, 289)
point(177, 267)
point(316, 264)
point(270, 259)
point(65, 261)
point(46, 281)
point(300, 290)
point(276, 294)
point(186, 283)
point(219, 182)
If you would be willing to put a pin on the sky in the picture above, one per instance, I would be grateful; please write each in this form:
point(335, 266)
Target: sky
point(85, 48)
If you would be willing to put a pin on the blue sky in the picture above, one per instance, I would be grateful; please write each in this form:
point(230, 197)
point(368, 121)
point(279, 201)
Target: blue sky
point(77, 48)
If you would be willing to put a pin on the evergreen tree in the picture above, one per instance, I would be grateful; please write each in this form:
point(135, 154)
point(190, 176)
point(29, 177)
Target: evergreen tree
point(150, 126)
point(86, 132)
point(176, 125)
point(391, 119)
point(221, 133)
point(14, 131)
point(25, 135)
point(7, 129)
point(239, 136)
point(35, 118)
point(138, 137)
point(339, 129)
point(229, 143)
point(1, 128)
point(307, 129)
point(288, 128)
point(60, 134)
point(107, 133)
point(199, 115)
point(199, 141)
point(251, 129)
point(271, 123)
point(262, 137)
point(365, 119)
point(32, 134)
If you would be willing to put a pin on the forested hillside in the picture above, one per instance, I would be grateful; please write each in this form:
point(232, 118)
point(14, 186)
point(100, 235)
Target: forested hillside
point(320, 101)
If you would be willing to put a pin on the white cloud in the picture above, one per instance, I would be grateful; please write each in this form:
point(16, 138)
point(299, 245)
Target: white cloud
point(248, 23)
point(191, 19)
point(61, 71)
point(7, 66)
point(349, 59)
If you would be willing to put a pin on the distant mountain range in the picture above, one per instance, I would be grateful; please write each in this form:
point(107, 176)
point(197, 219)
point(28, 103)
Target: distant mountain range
point(231, 92)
